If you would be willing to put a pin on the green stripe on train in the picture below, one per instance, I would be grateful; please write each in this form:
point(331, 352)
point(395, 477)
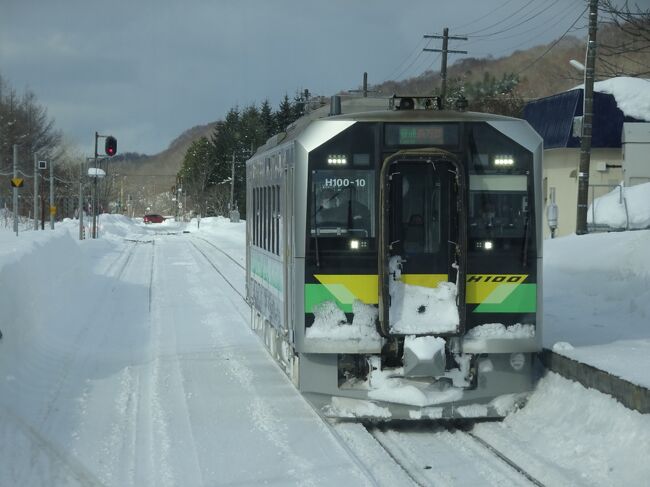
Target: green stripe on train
point(522, 299)
point(316, 294)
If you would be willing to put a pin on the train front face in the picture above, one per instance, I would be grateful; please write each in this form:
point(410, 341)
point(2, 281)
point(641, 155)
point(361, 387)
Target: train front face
point(421, 269)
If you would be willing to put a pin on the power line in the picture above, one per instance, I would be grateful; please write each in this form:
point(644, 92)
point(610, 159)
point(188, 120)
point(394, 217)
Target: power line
point(562, 14)
point(555, 43)
point(543, 25)
point(419, 53)
point(528, 19)
point(502, 20)
point(482, 17)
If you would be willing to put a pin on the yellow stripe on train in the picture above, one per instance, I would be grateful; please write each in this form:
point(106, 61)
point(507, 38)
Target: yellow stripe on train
point(481, 288)
point(491, 288)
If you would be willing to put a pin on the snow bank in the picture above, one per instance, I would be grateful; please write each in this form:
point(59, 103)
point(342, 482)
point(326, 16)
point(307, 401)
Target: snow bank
point(597, 301)
point(623, 207)
point(593, 439)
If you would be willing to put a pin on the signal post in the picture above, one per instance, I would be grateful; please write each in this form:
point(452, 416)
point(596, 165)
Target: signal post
point(110, 149)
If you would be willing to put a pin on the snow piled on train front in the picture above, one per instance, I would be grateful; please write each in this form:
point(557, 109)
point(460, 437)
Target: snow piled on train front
point(421, 310)
point(330, 323)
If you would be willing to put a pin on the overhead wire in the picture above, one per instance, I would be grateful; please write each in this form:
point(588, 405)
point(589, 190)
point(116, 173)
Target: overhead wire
point(561, 14)
point(543, 25)
point(417, 52)
point(510, 27)
point(554, 43)
point(502, 20)
point(478, 19)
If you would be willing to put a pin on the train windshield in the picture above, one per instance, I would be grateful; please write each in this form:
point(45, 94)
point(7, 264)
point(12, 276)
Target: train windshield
point(500, 211)
point(343, 203)
point(498, 205)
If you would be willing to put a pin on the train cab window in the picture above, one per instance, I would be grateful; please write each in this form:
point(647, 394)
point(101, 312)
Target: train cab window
point(343, 203)
point(498, 206)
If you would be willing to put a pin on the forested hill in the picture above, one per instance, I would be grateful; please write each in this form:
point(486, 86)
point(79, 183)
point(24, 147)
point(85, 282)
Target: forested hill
point(167, 162)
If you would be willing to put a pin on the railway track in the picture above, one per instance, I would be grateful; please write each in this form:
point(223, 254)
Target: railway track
point(218, 270)
point(439, 454)
point(448, 455)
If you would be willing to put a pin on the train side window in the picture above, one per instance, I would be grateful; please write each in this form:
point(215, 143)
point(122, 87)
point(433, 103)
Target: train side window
point(273, 213)
point(270, 218)
point(254, 214)
point(264, 210)
point(259, 217)
point(267, 211)
point(277, 220)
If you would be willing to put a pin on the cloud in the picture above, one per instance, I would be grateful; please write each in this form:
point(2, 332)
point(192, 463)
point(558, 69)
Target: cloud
point(153, 68)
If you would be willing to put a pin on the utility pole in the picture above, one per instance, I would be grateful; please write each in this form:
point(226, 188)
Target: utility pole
point(443, 66)
point(35, 191)
point(364, 90)
point(232, 183)
point(81, 200)
point(94, 231)
point(15, 195)
point(52, 210)
point(42, 190)
point(587, 117)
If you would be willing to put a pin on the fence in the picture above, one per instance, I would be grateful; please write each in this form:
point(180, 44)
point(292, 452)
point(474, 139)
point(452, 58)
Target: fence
point(596, 224)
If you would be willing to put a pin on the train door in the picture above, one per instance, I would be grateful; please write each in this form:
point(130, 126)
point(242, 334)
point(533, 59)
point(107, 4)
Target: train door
point(421, 245)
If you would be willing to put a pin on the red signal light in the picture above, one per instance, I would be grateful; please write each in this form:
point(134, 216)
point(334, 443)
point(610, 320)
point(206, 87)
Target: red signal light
point(111, 146)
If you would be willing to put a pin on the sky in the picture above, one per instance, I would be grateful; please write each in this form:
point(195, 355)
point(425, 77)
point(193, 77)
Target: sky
point(147, 70)
point(142, 370)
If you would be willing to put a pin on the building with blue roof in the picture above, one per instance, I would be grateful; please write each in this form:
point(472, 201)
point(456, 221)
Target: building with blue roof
point(620, 143)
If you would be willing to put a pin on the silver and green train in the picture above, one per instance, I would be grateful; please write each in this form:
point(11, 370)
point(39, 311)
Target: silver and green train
point(394, 258)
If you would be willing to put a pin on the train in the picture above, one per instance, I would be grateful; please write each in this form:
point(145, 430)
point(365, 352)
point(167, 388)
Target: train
point(394, 258)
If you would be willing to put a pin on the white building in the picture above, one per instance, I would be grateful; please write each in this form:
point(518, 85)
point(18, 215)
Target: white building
point(620, 143)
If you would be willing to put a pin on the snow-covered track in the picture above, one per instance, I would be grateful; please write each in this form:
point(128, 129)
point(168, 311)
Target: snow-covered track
point(212, 264)
point(220, 250)
point(507, 460)
point(448, 456)
point(441, 455)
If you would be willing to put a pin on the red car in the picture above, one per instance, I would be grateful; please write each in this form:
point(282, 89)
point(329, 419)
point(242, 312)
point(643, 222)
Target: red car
point(153, 219)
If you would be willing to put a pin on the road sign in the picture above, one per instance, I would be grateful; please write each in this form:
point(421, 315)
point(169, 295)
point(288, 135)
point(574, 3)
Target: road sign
point(52, 210)
point(42, 164)
point(17, 182)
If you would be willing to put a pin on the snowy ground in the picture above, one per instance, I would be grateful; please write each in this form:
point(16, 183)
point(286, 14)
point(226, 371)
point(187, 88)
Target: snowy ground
point(128, 361)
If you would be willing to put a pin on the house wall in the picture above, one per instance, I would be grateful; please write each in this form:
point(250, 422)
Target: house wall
point(560, 171)
point(636, 152)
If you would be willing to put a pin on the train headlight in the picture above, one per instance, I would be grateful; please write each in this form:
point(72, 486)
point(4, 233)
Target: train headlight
point(337, 160)
point(354, 244)
point(504, 161)
point(486, 245)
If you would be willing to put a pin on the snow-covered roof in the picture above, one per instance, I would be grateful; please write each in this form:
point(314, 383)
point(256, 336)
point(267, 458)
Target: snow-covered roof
point(632, 95)
point(616, 101)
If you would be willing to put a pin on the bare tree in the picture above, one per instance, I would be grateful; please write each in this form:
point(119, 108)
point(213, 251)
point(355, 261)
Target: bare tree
point(625, 46)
